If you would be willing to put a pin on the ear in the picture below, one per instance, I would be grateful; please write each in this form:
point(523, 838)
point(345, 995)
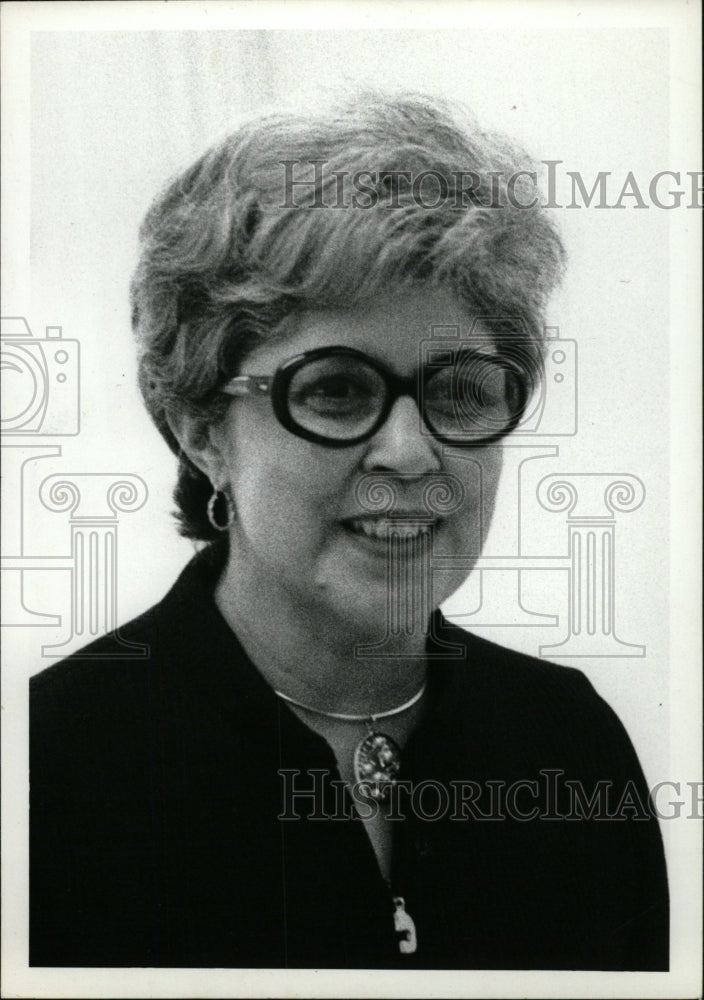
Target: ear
point(203, 444)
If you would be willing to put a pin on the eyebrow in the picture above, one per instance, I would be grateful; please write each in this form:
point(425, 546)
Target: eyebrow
point(451, 346)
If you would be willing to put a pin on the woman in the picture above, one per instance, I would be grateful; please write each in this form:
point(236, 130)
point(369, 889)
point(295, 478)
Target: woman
point(339, 321)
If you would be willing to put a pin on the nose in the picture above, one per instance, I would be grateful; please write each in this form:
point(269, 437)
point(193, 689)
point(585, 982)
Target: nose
point(402, 444)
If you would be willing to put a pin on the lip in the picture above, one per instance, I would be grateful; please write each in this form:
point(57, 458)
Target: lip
point(376, 540)
point(397, 515)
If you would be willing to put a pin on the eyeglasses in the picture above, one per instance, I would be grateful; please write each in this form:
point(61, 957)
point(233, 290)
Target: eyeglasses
point(338, 396)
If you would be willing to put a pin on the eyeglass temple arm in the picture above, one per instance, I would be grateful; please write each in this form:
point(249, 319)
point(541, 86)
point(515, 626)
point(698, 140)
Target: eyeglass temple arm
point(247, 385)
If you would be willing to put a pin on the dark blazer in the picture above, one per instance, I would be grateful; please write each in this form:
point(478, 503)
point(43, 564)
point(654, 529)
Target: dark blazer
point(157, 785)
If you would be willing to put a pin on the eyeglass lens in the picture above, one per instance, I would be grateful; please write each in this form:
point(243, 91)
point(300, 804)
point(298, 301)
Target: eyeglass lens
point(337, 397)
point(474, 398)
point(470, 398)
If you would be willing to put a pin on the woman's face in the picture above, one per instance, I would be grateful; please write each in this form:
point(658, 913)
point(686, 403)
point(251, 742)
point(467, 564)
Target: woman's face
point(300, 533)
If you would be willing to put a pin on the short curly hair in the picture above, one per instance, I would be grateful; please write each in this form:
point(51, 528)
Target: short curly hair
point(240, 243)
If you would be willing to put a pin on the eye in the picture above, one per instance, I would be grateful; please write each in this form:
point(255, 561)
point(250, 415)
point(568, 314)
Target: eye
point(481, 383)
point(440, 391)
point(336, 389)
point(335, 393)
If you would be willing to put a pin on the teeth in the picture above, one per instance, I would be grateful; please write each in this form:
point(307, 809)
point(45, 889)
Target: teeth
point(378, 528)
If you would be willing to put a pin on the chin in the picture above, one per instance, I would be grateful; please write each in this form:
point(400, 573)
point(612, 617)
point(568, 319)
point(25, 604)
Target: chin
point(365, 613)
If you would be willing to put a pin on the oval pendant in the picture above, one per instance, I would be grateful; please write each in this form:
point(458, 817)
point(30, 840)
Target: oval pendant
point(377, 761)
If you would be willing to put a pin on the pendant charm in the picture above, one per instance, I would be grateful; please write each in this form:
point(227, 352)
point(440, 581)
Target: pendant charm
point(403, 923)
point(377, 761)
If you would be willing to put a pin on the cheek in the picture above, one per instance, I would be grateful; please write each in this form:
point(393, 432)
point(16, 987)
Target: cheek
point(491, 474)
point(282, 484)
point(479, 472)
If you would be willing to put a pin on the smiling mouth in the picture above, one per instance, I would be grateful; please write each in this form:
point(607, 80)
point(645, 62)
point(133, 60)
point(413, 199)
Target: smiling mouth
point(377, 528)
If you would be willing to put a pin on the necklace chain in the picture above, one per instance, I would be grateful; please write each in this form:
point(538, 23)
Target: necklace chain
point(356, 718)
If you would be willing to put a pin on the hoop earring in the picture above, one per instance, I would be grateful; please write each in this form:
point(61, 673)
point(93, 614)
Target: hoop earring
point(229, 507)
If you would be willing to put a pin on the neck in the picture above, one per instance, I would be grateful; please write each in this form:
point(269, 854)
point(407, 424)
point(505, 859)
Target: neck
point(308, 653)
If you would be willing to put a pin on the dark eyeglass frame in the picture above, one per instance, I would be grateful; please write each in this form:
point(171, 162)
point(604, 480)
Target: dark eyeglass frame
point(277, 385)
